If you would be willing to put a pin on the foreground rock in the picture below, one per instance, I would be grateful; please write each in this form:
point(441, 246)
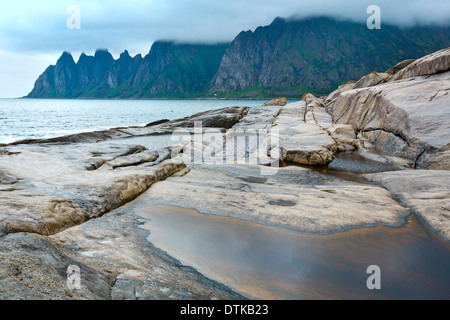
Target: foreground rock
point(427, 192)
point(295, 198)
point(115, 259)
point(300, 141)
point(63, 187)
point(60, 188)
point(408, 119)
point(49, 185)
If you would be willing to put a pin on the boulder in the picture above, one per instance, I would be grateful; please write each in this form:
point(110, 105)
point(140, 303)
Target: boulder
point(276, 102)
point(434, 63)
point(220, 118)
point(399, 66)
point(371, 80)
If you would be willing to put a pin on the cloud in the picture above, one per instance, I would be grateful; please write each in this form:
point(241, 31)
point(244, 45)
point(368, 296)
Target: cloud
point(39, 28)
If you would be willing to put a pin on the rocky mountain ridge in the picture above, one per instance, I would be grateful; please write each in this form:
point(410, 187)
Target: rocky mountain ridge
point(286, 58)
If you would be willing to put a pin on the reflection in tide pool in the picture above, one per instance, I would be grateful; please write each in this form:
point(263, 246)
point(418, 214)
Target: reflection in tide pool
point(271, 263)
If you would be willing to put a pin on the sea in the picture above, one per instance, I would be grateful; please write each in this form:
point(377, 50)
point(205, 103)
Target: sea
point(47, 118)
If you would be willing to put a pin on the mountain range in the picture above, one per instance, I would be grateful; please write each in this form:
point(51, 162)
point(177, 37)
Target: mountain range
point(286, 58)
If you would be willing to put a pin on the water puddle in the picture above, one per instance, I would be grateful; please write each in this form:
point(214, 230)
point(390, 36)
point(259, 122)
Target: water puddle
point(355, 163)
point(264, 262)
point(350, 166)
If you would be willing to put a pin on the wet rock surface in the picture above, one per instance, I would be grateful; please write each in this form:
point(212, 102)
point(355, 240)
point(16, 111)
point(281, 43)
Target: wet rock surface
point(115, 259)
point(295, 198)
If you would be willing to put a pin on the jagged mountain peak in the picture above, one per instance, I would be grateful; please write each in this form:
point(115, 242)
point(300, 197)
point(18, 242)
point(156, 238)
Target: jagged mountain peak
point(66, 57)
point(285, 58)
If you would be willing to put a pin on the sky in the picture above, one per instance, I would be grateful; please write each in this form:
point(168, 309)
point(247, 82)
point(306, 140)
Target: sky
point(33, 34)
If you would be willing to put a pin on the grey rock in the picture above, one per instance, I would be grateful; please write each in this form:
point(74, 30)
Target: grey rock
point(399, 66)
point(115, 259)
point(220, 118)
point(434, 63)
point(276, 102)
point(295, 198)
point(371, 80)
point(58, 186)
point(427, 192)
point(407, 119)
point(33, 267)
point(301, 142)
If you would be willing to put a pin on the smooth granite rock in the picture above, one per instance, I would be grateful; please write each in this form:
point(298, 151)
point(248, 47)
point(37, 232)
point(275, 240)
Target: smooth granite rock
point(300, 141)
point(409, 119)
point(276, 102)
point(427, 192)
point(47, 188)
point(115, 259)
point(295, 198)
point(434, 63)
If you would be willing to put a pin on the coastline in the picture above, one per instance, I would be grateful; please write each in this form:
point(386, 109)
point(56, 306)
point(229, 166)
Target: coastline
point(71, 198)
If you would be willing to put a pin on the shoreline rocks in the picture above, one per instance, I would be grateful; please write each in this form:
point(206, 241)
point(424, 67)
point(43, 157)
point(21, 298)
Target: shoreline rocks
point(55, 193)
point(408, 119)
point(427, 192)
point(281, 102)
point(300, 141)
point(295, 198)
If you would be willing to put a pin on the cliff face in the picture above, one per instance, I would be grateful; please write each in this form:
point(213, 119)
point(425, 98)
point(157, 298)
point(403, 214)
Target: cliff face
point(180, 70)
point(286, 58)
point(289, 58)
point(170, 69)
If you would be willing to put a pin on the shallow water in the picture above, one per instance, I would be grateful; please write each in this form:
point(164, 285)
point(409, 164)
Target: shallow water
point(355, 163)
point(265, 262)
point(47, 118)
point(350, 166)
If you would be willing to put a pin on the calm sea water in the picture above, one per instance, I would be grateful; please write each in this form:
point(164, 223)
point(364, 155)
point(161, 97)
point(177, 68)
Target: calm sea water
point(41, 118)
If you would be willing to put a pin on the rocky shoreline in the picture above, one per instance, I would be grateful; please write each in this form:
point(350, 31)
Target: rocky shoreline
point(64, 200)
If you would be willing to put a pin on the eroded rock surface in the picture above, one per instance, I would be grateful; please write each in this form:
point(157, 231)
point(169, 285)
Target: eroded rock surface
point(115, 259)
point(425, 191)
point(409, 119)
point(54, 195)
point(63, 186)
point(276, 102)
point(295, 198)
point(300, 141)
point(434, 63)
